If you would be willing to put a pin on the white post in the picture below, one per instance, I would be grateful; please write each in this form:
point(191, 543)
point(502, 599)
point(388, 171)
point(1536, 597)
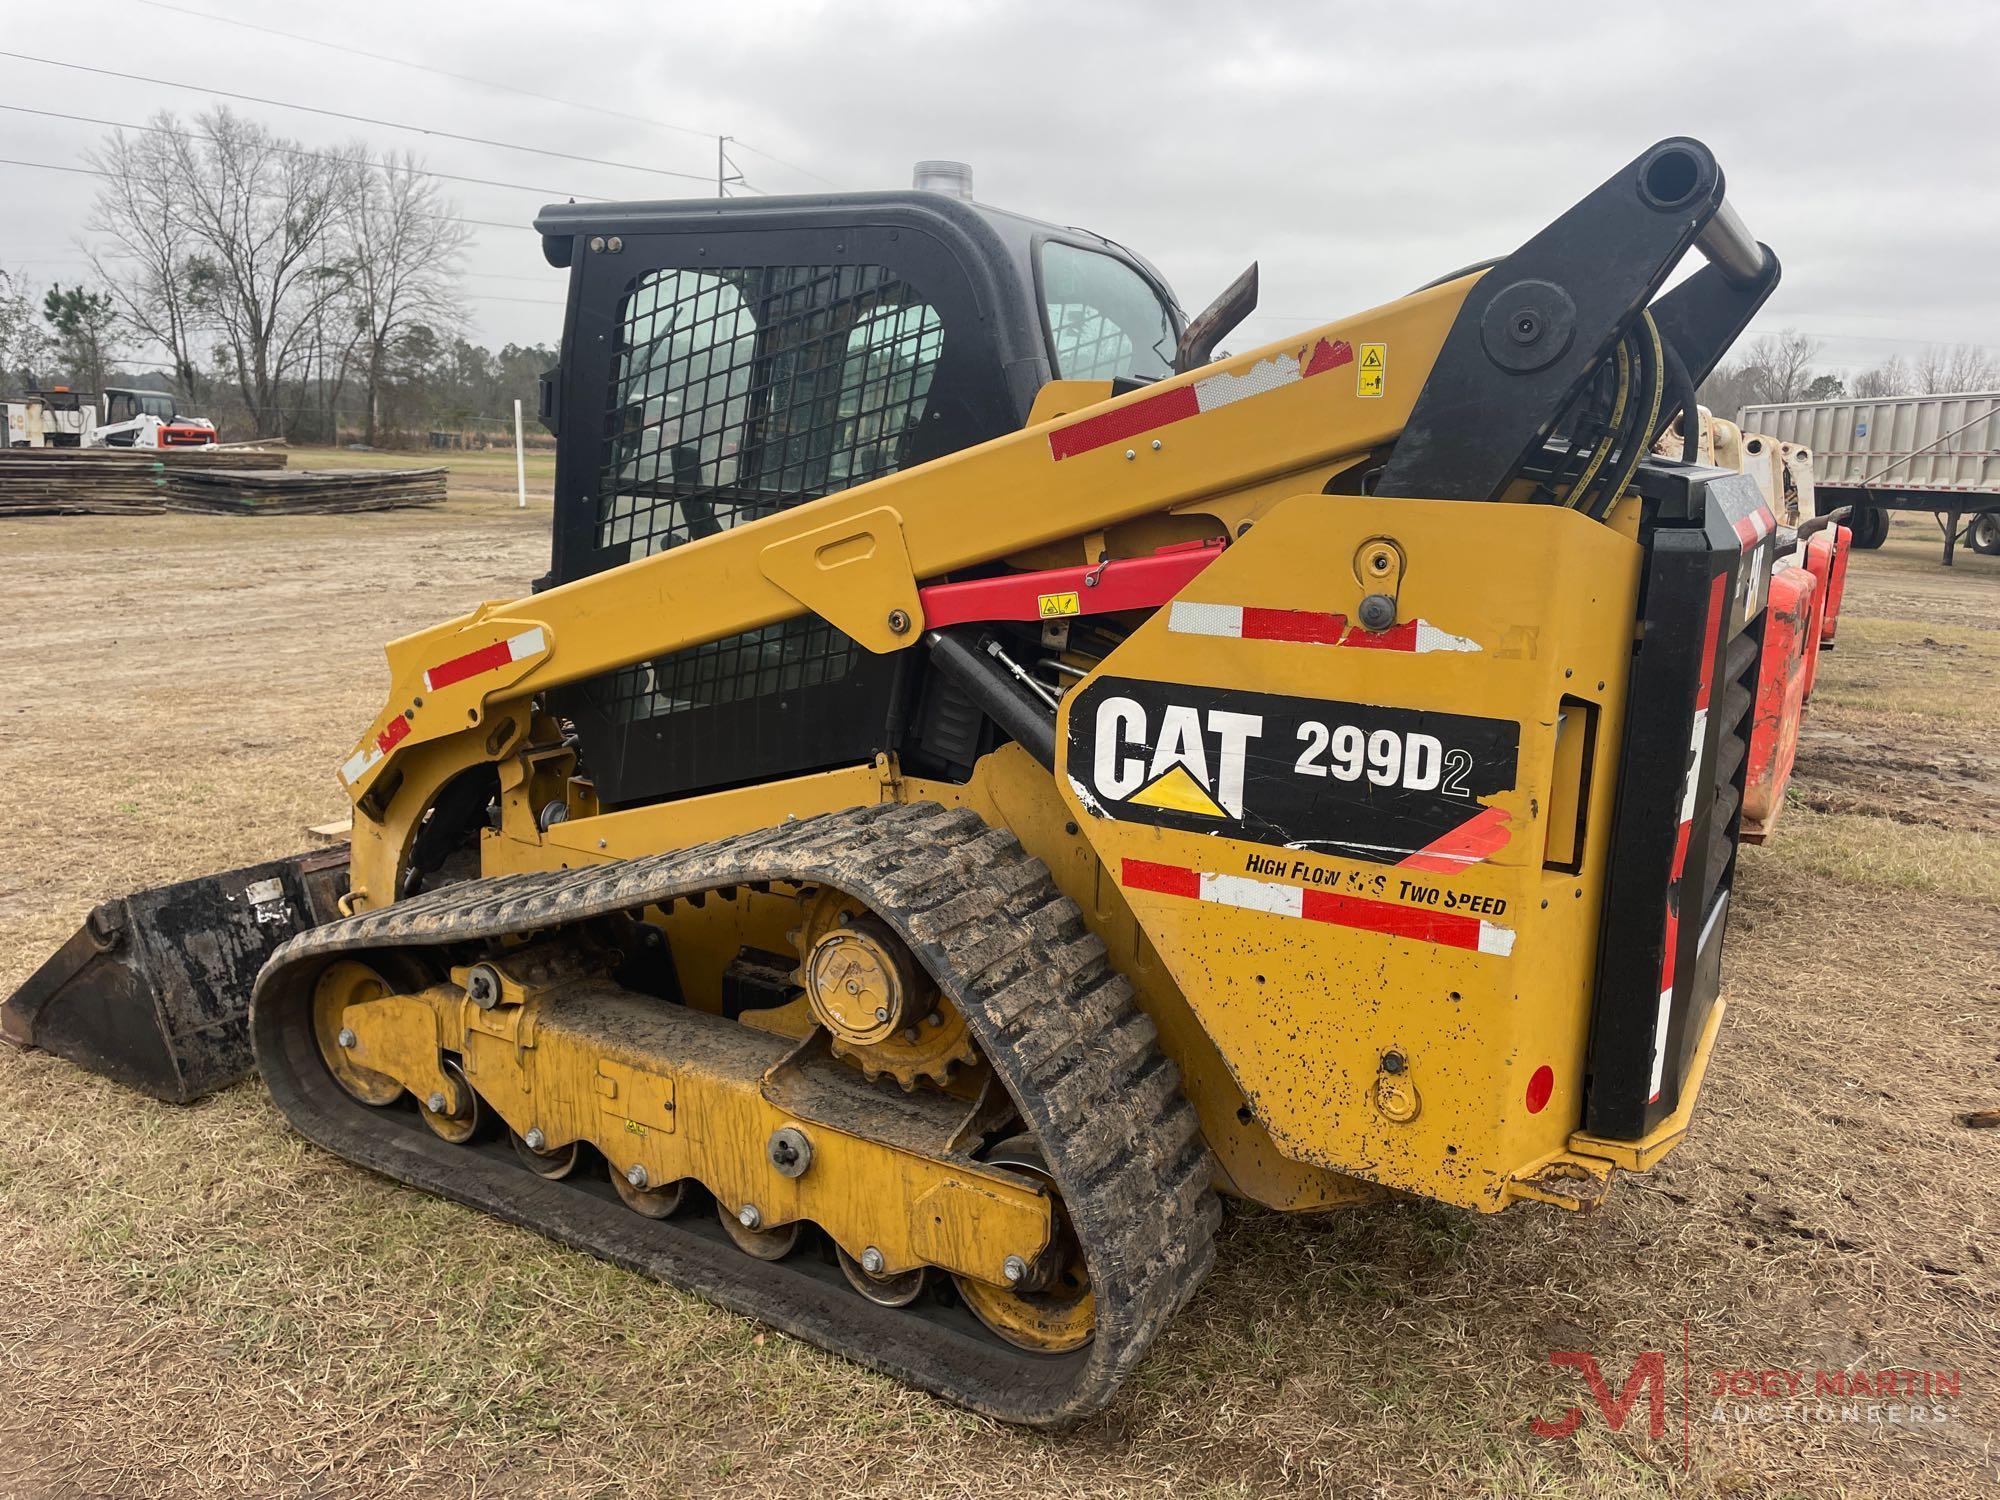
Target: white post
point(520, 458)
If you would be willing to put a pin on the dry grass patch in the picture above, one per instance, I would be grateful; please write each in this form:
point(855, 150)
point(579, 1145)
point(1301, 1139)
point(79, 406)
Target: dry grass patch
point(1882, 854)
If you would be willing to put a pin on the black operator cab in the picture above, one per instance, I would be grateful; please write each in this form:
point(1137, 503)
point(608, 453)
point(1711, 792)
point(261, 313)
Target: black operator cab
point(726, 359)
point(123, 405)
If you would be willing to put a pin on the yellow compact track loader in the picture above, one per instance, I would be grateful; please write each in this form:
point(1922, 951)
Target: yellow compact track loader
point(984, 777)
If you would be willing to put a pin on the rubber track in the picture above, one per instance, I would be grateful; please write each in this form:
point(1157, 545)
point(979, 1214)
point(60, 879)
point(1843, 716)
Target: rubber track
point(1041, 999)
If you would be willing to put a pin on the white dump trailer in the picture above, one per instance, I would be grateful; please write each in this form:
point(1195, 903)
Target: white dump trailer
point(1934, 453)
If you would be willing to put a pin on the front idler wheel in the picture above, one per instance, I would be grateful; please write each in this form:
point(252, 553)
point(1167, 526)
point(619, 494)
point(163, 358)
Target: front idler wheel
point(342, 983)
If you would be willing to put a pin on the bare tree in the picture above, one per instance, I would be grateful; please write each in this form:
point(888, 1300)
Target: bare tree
point(1942, 370)
point(253, 213)
point(402, 250)
point(23, 345)
point(1786, 361)
point(1780, 367)
point(147, 261)
point(1889, 378)
point(1730, 387)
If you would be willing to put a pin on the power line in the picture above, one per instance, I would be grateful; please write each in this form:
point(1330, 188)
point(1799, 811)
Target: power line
point(757, 151)
point(49, 166)
point(488, 83)
point(404, 62)
point(191, 135)
point(336, 114)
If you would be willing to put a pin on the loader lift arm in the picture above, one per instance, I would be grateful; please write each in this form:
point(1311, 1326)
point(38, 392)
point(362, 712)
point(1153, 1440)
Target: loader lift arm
point(1481, 380)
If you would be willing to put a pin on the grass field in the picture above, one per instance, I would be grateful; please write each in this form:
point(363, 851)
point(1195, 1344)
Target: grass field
point(198, 1303)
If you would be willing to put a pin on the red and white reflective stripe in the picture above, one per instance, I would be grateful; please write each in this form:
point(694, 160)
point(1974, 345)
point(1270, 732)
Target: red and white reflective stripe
point(1208, 394)
point(358, 763)
point(1250, 622)
point(487, 659)
point(1697, 759)
point(1473, 840)
point(1386, 917)
point(1754, 527)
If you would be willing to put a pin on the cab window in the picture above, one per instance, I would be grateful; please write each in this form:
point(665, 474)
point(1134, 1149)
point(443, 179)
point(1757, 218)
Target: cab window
point(1105, 319)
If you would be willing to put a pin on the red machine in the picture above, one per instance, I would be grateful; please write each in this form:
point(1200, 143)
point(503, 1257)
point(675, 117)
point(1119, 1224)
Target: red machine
point(1801, 620)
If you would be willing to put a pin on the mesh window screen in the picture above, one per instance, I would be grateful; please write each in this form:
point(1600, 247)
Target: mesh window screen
point(738, 393)
point(1089, 346)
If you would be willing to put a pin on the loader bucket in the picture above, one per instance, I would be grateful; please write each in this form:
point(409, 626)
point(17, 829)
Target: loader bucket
point(153, 991)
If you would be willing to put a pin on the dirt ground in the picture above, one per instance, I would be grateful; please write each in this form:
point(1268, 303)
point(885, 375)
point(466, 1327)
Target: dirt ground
point(197, 1303)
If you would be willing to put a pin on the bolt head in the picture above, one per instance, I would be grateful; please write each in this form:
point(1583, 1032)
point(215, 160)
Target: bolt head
point(748, 1216)
point(872, 1261)
point(1014, 1268)
point(1157, 445)
point(789, 1150)
point(346, 1037)
point(436, 1103)
point(899, 621)
point(935, 1018)
point(1130, 454)
point(1378, 611)
point(534, 1139)
point(637, 1176)
point(881, 1013)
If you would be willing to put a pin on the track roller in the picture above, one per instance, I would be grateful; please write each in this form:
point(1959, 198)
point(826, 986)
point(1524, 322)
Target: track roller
point(745, 1229)
point(653, 1202)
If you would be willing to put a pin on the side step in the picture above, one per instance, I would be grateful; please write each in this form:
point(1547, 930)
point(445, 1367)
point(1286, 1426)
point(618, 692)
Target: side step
point(153, 991)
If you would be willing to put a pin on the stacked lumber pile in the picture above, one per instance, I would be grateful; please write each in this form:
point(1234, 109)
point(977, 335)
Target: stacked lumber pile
point(231, 481)
point(302, 492)
point(97, 481)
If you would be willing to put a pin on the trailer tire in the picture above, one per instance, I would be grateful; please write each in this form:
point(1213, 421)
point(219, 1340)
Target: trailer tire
point(1982, 533)
point(1870, 525)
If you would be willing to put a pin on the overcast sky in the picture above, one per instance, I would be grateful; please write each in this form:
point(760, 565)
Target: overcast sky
point(1355, 150)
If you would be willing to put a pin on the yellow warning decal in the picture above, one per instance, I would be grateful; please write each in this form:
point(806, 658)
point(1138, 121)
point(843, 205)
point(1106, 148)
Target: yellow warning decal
point(1055, 606)
point(1370, 369)
point(1177, 791)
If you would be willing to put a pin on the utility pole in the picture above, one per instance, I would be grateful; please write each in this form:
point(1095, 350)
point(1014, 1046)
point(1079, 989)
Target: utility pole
point(725, 170)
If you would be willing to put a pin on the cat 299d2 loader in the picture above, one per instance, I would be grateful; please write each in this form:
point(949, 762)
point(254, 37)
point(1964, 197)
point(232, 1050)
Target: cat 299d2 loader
point(984, 777)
